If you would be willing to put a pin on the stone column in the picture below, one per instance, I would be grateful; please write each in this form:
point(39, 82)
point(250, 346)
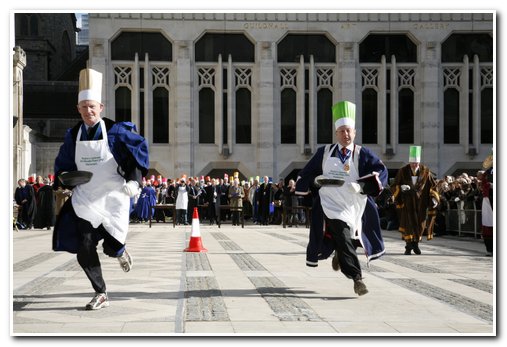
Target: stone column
point(231, 104)
point(300, 101)
point(348, 83)
point(431, 98)
point(183, 152)
point(266, 129)
point(350, 55)
point(19, 63)
point(98, 52)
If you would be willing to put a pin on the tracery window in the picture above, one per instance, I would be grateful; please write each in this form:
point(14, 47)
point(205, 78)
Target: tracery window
point(307, 65)
point(388, 75)
point(468, 74)
point(224, 77)
point(141, 63)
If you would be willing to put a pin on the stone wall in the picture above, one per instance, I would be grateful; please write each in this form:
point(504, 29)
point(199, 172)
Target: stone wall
point(266, 155)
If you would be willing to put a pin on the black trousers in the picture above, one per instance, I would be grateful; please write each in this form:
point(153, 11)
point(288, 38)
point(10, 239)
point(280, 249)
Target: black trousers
point(344, 247)
point(87, 255)
point(235, 217)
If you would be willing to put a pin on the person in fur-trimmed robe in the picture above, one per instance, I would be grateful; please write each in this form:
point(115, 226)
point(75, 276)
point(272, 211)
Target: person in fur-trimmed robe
point(416, 198)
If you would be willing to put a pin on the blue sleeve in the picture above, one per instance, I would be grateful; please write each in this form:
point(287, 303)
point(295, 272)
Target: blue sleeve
point(311, 170)
point(65, 160)
point(369, 162)
point(126, 145)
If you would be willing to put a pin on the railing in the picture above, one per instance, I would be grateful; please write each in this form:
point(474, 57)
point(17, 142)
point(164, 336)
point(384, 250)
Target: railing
point(293, 210)
point(464, 221)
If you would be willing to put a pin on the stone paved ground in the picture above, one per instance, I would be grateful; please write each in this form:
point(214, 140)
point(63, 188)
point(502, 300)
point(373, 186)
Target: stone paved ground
point(253, 281)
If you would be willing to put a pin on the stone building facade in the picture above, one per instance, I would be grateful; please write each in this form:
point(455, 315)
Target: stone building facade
point(45, 89)
point(252, 92)
point(49, 40)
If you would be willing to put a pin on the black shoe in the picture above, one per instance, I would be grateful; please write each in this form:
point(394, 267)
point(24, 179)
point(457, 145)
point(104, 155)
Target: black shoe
point(408, 248)
point(335, 263)
point(415, 247)
point(360, 287)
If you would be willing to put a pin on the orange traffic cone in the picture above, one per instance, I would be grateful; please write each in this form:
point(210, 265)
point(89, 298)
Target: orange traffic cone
point(195, 244)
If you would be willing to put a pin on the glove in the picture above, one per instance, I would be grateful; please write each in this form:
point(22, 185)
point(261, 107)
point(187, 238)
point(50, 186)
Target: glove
point(355, 187)
point(405, 188)
point(66, 192)
point(131, 188)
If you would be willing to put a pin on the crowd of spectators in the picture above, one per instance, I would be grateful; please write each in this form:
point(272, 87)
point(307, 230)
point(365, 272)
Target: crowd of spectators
point(460, 197)
point(261, 201)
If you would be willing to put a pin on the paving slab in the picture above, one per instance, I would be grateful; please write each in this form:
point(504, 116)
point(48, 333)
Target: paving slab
point(253, 281)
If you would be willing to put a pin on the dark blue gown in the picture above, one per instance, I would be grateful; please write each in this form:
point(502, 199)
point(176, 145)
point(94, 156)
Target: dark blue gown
point(144, 207)
point(320, 247)
point(129, 149)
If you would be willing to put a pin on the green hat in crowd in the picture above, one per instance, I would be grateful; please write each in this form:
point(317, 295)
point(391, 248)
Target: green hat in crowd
point(414, 155)
point(344, 113)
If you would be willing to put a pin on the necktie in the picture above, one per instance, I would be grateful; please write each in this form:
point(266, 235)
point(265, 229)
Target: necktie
point(343, 154)
point(89, 133)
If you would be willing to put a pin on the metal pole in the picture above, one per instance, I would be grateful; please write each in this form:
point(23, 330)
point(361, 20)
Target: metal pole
point(459, 220)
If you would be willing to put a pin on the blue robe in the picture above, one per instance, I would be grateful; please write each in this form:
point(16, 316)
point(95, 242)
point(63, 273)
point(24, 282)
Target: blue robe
point(129, 149)
point(320, 245)
point(144, 207)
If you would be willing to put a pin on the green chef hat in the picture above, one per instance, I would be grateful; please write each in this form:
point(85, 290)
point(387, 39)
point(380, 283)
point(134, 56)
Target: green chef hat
point(414, 154)
point(344, 113)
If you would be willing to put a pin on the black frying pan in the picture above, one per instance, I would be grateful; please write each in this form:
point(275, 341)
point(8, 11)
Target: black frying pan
point(75, 178)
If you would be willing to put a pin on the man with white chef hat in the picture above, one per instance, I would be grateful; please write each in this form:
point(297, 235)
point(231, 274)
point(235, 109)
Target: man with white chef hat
point(116, 157)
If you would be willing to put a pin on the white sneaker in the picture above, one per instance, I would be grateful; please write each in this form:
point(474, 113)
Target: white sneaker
point(125, 261)
point(99, 300)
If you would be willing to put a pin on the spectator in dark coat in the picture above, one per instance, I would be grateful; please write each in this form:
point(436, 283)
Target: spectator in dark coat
point(27, 208)
point(45, 217)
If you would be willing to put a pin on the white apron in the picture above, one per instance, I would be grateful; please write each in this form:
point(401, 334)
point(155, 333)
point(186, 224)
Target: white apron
point(182, 198)
point(487, 213)
point(343, 202)
point(101, 200)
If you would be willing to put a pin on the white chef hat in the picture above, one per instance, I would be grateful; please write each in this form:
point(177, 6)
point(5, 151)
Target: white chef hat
point(90, 85)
